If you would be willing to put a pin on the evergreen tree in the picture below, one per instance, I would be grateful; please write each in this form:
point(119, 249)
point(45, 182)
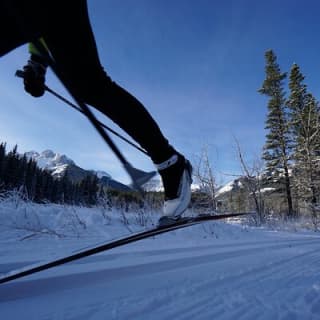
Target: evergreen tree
point(11, 170)
point(2, 161)
point(94, 188)
point(68, 189)
point(22, 170)
point(89, 190)
point(305, 126)
point(47, 185)
point(277, 149)
point(30, 179)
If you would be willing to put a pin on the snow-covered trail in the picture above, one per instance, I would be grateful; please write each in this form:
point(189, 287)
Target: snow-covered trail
point(275, 276)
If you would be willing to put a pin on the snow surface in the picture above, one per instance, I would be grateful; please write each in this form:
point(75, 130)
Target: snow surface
point(267, 189)
point(210, 271)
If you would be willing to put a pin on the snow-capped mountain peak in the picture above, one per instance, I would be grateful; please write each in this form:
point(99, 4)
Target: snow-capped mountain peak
point(59, 165)
point(234, 184)
point(50, 160)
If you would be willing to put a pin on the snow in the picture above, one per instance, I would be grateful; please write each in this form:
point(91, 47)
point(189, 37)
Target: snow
point(56, 163)
point(228, 187)
point(267, 189)
point(101, 174)
point(49, 160)
point(209, 271)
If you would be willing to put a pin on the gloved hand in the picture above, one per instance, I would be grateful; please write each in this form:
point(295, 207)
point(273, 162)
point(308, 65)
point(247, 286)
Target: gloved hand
point(34, 78)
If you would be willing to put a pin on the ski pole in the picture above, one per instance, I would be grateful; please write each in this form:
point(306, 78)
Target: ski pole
point(20, 74)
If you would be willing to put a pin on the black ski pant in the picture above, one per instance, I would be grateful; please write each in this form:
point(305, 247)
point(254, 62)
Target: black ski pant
point(66, 29)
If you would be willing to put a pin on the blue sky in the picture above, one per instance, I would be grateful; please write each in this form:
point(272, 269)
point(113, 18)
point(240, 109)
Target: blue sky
point(196, 66)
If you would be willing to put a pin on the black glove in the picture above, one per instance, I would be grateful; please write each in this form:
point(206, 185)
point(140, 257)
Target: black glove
point(34, 77)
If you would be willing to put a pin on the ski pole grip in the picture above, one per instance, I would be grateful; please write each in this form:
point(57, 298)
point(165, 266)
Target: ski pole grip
point(19, 74)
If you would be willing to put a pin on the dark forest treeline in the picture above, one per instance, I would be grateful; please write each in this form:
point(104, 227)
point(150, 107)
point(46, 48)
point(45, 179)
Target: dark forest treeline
point(17, 172)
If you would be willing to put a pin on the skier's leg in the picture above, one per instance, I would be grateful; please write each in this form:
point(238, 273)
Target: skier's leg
point(72, 44)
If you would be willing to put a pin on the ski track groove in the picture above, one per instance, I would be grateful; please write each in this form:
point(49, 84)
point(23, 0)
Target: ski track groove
point(250, 284)
point(224, 297)
point(201, 309)
point(107, 256)
point(42, 286)
point(246, 282)
point(192, 311)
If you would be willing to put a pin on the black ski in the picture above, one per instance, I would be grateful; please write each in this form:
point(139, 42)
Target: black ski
point(183, 223)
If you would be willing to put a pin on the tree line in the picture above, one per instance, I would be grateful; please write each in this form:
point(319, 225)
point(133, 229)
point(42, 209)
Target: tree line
point(17, 172)
point(292, 148)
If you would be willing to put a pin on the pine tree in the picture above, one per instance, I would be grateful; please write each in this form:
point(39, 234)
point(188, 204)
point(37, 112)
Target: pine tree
point(277, 149)
point(30, 179)
point(47, 185)
point(11, 169)
point(94, 188)
point(89, 190)
point(305, 126)
point(2, 161)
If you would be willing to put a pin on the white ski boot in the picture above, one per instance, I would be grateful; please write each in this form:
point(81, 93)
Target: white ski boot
point(176, 174)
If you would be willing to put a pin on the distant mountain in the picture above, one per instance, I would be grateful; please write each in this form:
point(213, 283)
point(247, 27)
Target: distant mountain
point(59, 165)
point(229, 187)
point(56, 163)
point(241, 184)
